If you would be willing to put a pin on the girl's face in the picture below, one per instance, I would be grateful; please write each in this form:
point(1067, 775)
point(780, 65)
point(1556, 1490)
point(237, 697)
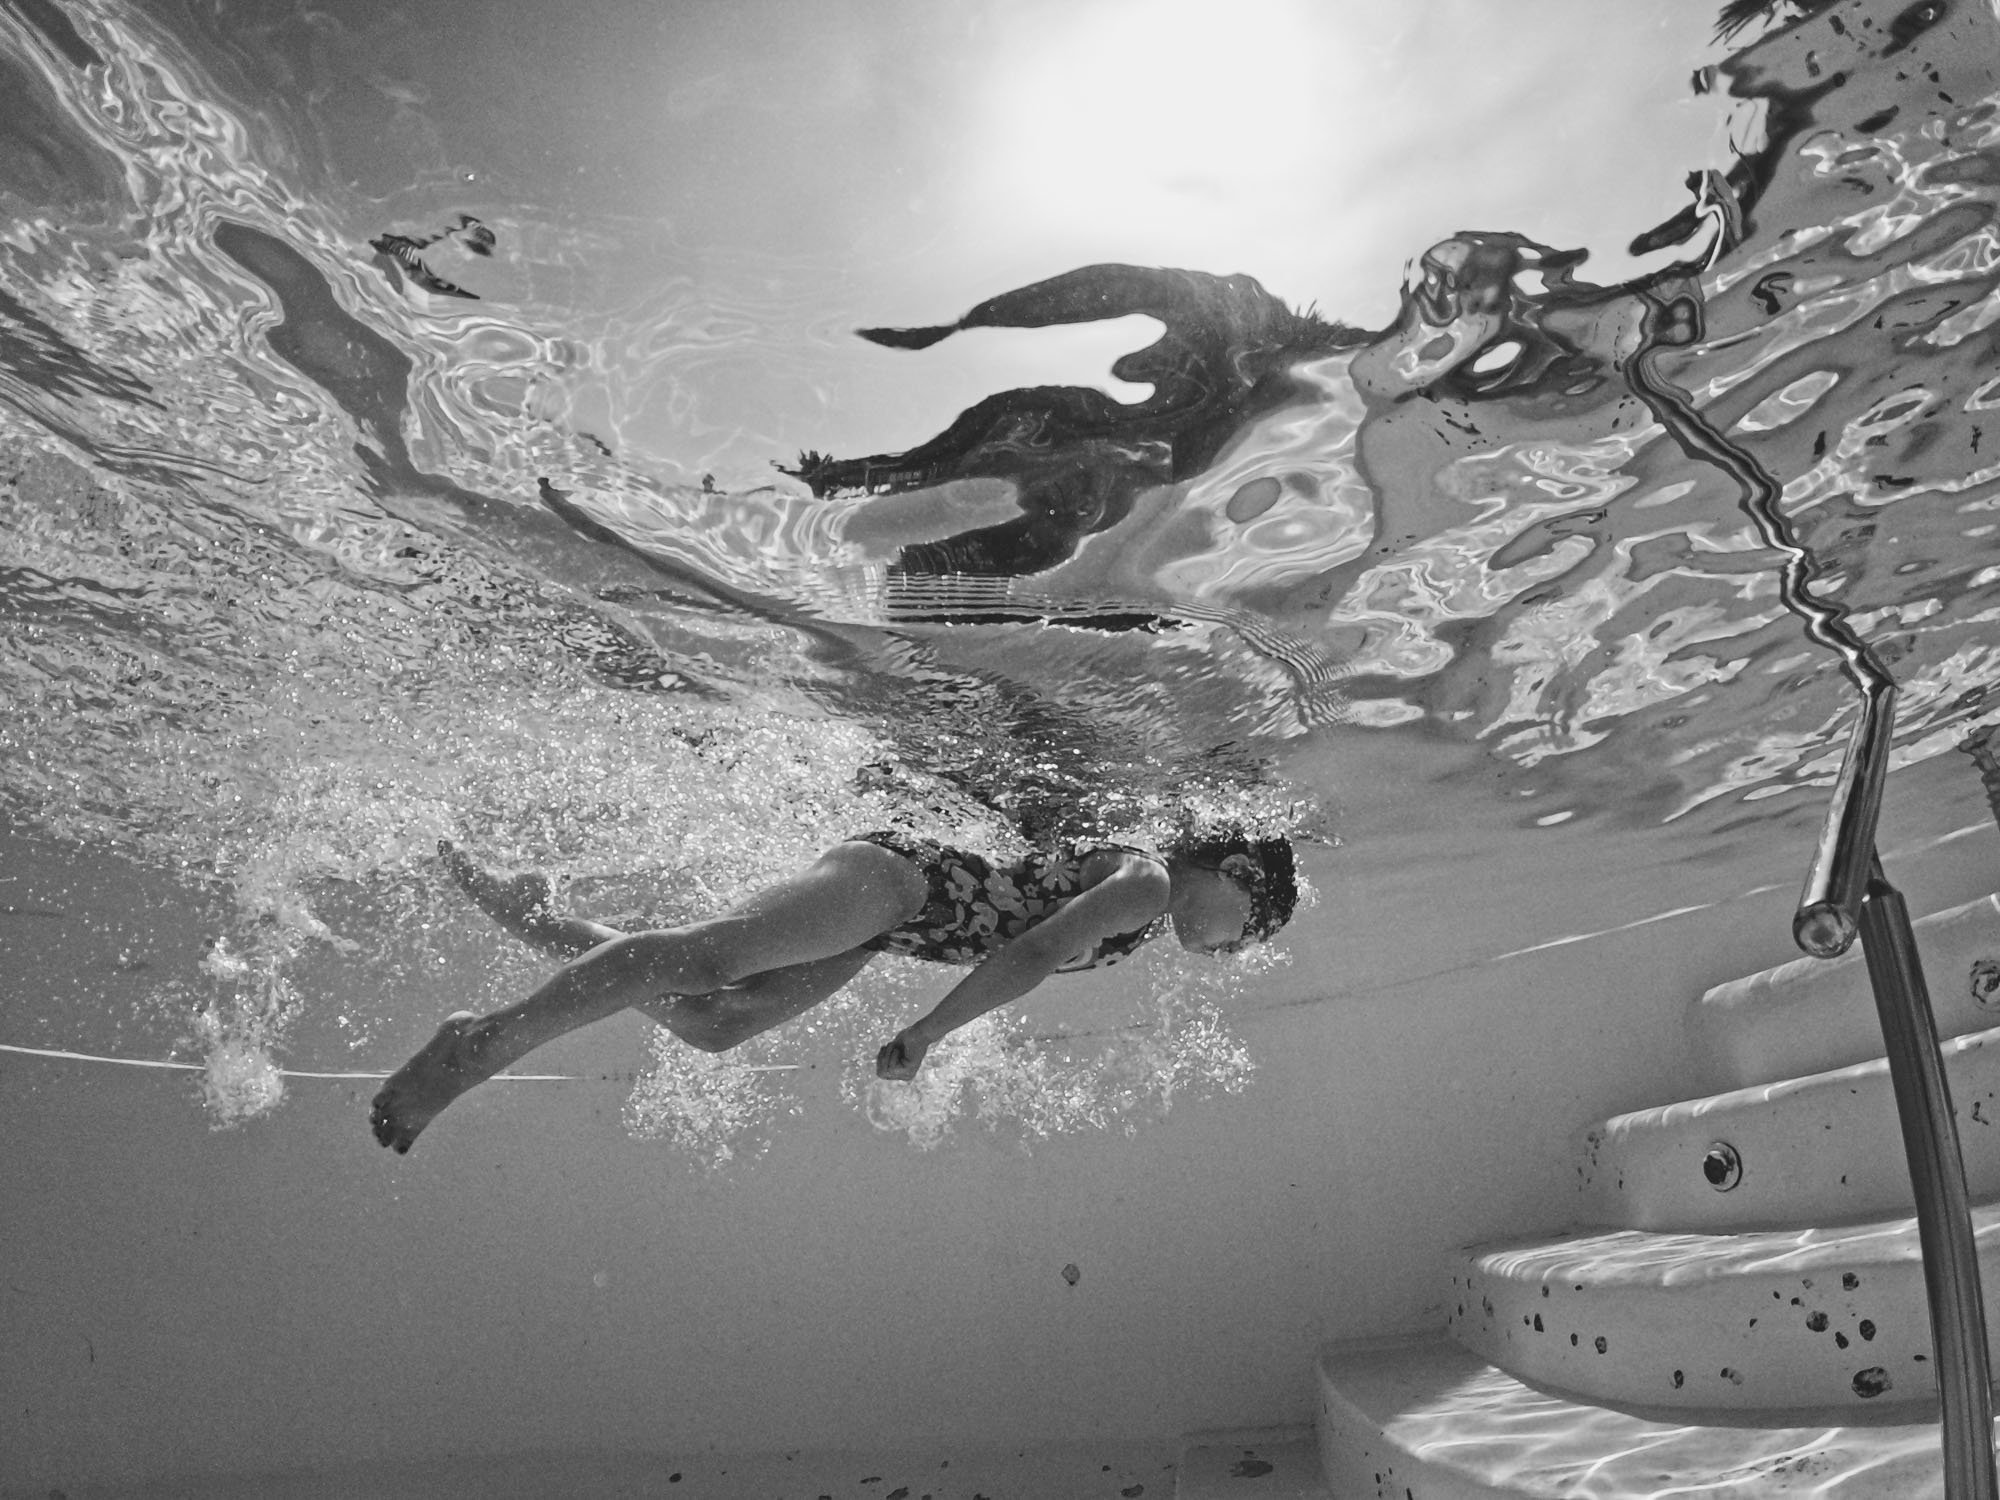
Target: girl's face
point(1211, 911)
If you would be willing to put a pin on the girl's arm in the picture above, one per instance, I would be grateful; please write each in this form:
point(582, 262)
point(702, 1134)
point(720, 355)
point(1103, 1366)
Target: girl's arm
point(1127, 899)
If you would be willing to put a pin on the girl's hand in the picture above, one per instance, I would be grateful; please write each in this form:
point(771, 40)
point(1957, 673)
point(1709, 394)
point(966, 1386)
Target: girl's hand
point(901, 1058)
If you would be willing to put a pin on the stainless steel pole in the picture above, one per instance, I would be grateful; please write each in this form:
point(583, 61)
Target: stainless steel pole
point(1937, 1176)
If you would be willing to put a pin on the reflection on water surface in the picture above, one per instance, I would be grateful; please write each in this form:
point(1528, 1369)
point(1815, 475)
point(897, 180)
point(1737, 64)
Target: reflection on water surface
point(345, 513)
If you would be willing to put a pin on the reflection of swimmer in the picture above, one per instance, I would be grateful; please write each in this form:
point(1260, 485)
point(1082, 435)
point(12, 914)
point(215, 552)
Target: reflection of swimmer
point(1077, 458)
point(719, 982)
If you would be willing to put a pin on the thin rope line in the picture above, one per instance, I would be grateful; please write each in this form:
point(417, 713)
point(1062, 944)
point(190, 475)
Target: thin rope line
point(149, 1062)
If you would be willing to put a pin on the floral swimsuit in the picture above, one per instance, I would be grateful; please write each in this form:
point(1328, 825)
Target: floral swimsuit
point(976, 907)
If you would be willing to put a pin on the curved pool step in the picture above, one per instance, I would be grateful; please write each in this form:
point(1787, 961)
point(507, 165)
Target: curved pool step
point(1812, 1014)
point(1708, 1345)
point(1823, 1149)
point(1431, 1421)
point(1825, 1318)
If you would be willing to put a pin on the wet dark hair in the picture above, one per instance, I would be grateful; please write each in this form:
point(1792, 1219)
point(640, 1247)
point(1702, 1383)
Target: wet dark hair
point(1273, 882)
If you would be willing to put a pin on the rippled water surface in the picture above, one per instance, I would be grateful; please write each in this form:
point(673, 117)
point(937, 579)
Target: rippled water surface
point(392, 450)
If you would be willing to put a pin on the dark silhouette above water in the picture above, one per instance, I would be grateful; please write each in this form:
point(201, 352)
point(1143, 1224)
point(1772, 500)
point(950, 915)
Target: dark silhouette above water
point(1078, 457)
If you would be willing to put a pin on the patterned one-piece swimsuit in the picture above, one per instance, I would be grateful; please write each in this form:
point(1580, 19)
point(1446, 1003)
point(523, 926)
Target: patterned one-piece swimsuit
point(976, 907)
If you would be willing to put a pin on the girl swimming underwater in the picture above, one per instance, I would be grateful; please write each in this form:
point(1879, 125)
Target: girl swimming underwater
point(719, 982)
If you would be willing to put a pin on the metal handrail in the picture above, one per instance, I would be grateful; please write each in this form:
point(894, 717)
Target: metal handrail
point(1847, 894)
point(1937, 1178)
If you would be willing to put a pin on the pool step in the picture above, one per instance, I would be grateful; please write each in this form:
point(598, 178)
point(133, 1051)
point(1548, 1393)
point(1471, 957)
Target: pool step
point(1709, 1344)
point(1264, 1463)
point(1825, 1318)
point(1810, 1015)
point(1432, 1421)
point(1822, 1149)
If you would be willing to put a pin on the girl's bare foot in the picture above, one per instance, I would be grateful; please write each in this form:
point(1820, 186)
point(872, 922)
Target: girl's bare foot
point(519, 903)
point(417, 1092)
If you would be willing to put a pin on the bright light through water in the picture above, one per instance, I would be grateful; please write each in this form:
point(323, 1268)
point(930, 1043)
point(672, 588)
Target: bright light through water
point(1318, 146)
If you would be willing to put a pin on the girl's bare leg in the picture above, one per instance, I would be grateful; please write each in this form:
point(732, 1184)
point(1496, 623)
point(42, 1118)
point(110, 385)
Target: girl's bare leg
point(854, 892)
point(726, 1018)
point(522, 905)
point(714, 1022)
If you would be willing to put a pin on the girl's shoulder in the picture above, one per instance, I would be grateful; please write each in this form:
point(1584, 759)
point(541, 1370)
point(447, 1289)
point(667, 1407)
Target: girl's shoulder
point(1096, 848)
point(1096, 860)
point(1070, 858)
point(1126, 846)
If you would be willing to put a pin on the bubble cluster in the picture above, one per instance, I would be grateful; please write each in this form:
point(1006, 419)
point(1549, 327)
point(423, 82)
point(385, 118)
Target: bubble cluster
point(996, 1073)
point(710, 1109)
point(237, 1031)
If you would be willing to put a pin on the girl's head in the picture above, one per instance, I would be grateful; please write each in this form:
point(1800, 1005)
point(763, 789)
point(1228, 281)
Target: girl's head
point(1230, 890)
